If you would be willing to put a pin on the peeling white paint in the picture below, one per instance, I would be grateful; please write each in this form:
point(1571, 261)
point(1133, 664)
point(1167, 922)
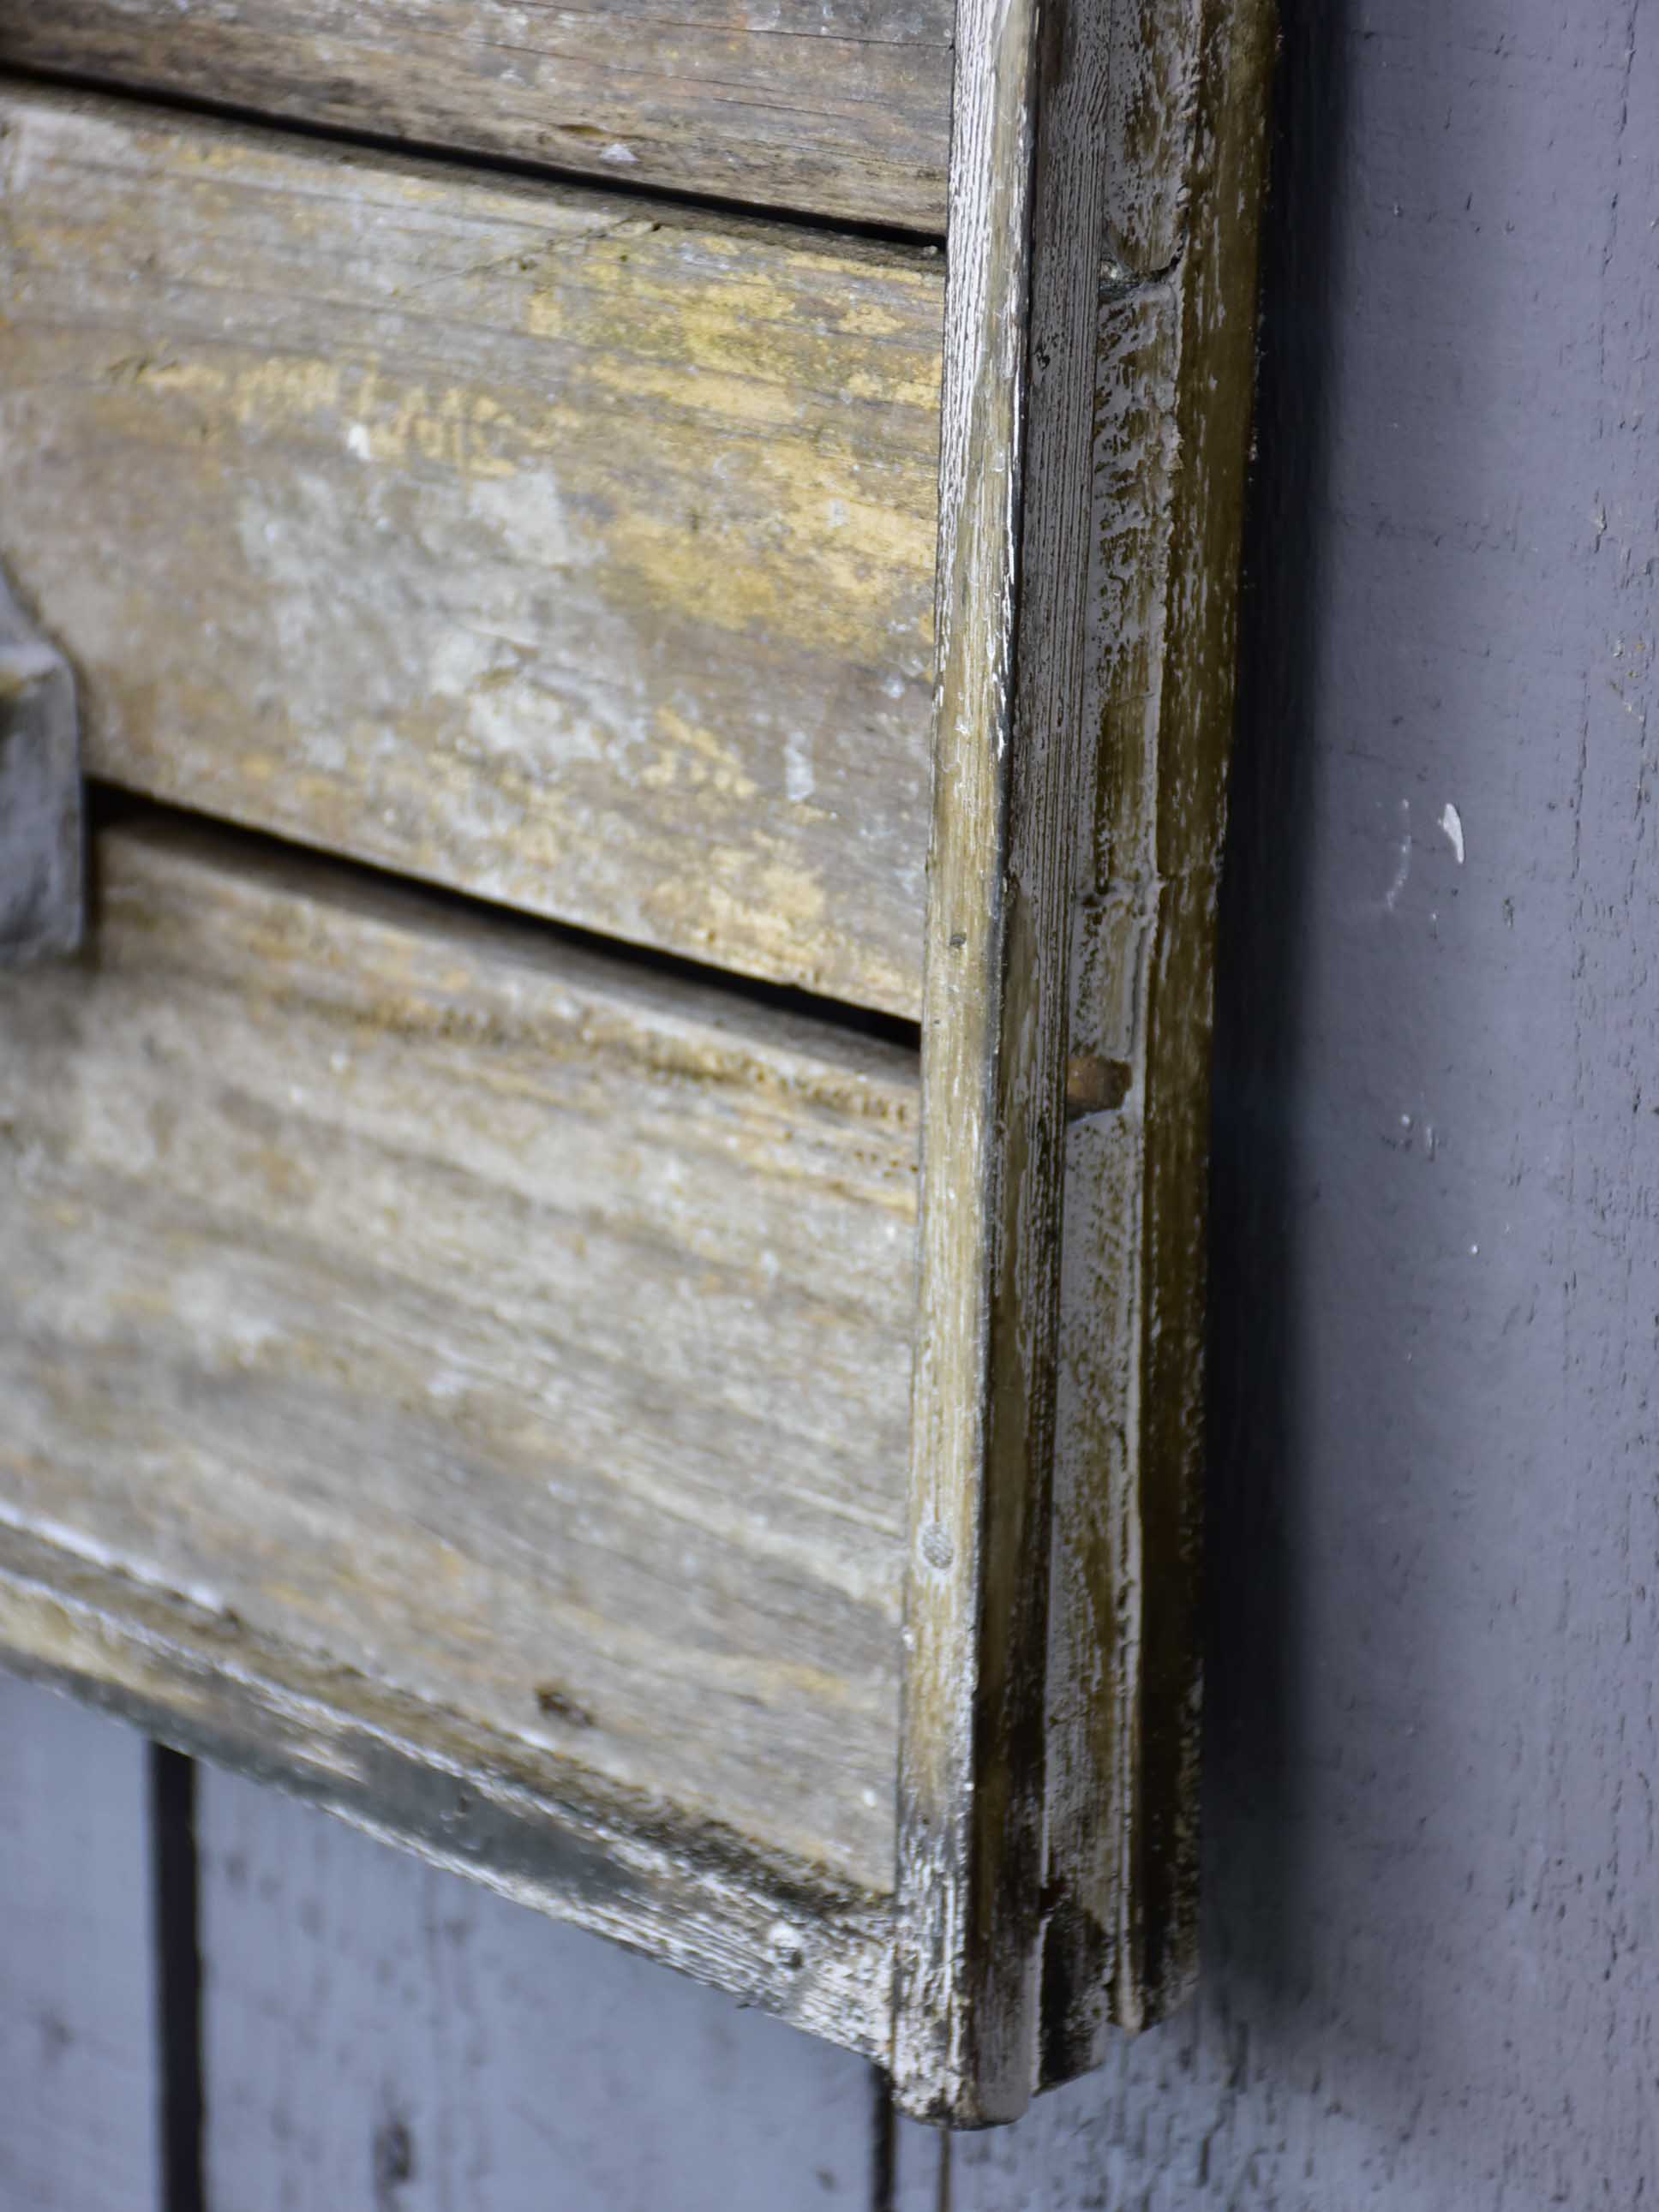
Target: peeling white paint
point(1452, 823)
point(798, 781)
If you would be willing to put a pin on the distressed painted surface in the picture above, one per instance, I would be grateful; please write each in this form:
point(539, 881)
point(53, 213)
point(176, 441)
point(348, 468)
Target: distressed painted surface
point(1430, 1951)
point(529, 1336)
point(575, 552)
point(379, 2034)
point(79, 2066)
point(840, 107)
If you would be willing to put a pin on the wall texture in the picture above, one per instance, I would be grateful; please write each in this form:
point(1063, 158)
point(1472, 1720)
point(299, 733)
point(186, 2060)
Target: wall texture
point(1432, 1972)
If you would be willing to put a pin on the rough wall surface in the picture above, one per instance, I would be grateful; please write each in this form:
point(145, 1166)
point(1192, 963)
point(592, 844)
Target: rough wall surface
point(1431, 1967)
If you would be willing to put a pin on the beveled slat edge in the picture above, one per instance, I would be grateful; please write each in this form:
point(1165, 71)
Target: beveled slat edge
point(536, 1829)
point(143, 107)
point(781, 1022)
point(838, 178)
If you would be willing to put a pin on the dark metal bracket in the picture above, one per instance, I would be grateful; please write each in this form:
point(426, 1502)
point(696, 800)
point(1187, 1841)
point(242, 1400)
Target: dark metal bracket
point(42, 804)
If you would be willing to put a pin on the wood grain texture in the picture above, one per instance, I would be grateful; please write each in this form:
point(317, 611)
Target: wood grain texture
point(772, 1930)
point(79, 2064)
point(840, 108)
point(525, 1334)
point(967, 1799)
point(380, 2033)
point(1013, 1878)
point(42, 831)
point(1176, 374)
point(577, 554)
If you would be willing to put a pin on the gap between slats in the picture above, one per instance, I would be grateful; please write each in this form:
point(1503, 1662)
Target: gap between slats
point(110, 806)
point(507, 167)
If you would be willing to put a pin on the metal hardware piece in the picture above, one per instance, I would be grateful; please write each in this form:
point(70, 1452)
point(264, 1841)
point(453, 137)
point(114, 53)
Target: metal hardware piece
point(42, 811)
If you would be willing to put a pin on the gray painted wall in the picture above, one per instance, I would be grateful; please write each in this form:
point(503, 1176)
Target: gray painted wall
point(1431, 1976)
point(80, 2116)
point(1432, 1972)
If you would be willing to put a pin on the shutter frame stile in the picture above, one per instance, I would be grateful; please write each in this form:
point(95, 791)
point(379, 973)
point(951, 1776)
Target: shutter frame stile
point(1101, 155)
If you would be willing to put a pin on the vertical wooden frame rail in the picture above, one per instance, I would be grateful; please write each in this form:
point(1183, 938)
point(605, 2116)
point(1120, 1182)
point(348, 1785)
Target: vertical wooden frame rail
point(1106, 172)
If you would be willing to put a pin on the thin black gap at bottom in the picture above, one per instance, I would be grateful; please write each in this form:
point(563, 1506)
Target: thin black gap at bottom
point(176, 1894)
point(884, 2175)
point(108, 804)
point(457, 153)
point(942, 2199)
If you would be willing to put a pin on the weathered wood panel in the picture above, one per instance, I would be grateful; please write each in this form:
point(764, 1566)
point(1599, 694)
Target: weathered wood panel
point(380, 2033)
point(837, 106)
point(529, 1336)
point(79, 2064)
point(576, 554)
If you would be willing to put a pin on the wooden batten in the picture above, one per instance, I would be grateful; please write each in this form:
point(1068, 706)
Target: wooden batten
point(1106, 173)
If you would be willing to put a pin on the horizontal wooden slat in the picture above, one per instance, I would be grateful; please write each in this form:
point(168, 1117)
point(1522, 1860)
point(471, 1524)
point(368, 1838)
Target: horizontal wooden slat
point(500, 1326)
point(839, 106)
point(774, 1932)
point(578, 556)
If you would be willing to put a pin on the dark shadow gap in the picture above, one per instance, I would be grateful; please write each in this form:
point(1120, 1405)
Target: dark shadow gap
point(109, 803)
point(178, 1975)
point(942, 2188)
point(514, 168)
point(883, 2168)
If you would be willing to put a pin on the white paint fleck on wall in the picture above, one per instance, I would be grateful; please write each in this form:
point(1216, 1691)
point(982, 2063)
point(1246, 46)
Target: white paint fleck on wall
point(1403, 865)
